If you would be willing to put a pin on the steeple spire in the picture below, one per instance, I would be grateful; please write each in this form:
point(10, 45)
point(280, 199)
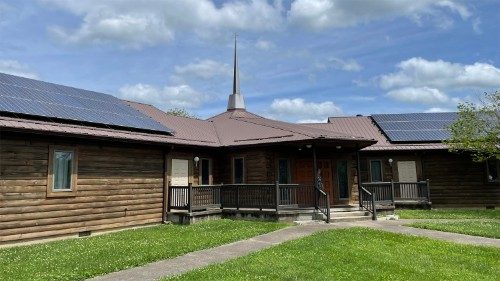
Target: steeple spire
point(236, 100)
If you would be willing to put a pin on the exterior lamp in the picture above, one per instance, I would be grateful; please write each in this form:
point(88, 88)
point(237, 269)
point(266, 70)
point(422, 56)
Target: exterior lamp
point(390, 161)
point(196, 160)
point(338, 147)
point(309, 145)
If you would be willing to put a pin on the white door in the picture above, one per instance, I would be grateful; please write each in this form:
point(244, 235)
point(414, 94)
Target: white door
point(180, 172)
point(407, 172)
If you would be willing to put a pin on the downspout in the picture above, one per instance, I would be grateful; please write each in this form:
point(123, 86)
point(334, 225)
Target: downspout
point(315, 168)
point(165, 187)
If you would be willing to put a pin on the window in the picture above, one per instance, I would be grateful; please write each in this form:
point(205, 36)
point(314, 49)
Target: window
point(376, 170)
point(62, 171)
point(205, 172)
point(238, 170)
point(493, 169)
point(283, 171)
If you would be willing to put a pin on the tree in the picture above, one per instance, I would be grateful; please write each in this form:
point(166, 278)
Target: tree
point(181, 112)
point(477, 128)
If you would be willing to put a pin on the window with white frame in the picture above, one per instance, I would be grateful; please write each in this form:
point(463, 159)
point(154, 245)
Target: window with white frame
point(62, 170)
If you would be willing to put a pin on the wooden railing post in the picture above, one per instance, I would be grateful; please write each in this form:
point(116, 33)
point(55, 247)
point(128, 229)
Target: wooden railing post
point(327, 208)
point(190, 197)
point(169, 197)
point(392, 192)
point(237, 197)
point(277, 195)
point(374, 216)
point(428, 190)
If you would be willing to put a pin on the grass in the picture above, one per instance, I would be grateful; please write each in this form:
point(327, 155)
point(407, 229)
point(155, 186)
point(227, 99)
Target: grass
point(477, 228)
point(449, 214)
point(78, 259)
point(359, 254)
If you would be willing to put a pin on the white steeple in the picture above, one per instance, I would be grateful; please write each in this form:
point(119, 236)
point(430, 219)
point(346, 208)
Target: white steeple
point(236, 100)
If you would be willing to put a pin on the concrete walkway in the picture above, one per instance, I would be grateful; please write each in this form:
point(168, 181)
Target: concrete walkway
point(198, 259)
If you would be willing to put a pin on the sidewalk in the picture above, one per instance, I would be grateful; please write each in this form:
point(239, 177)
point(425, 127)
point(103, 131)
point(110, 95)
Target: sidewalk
point(198, 259)
point(194, 260)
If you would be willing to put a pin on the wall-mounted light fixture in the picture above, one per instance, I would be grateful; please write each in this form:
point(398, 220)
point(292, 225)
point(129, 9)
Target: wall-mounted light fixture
point(338, 147)
point(309, 145)
point(196, 160)
point(390, 161)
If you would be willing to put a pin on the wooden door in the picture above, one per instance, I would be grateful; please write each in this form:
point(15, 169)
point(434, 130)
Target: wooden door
point(326, 176)
point(407, 172)
point(303, 172)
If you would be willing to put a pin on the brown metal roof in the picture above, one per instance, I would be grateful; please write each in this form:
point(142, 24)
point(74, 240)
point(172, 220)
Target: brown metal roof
point(240, 127)
point(364, 126)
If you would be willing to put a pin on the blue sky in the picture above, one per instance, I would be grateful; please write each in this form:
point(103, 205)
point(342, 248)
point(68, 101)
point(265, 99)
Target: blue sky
point(300, 61)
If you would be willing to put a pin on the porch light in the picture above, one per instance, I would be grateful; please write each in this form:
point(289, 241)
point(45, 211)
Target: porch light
point(338, 147)
point(390, 161)
point(309, 145)
point(196, 160)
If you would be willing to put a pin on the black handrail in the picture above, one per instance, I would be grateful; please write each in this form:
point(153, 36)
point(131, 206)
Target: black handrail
point(367, 200)
point(324, 204)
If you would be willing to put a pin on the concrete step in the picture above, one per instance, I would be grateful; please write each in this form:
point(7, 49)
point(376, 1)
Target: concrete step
point(350, 219)
point(348, 214)
point(344, 209)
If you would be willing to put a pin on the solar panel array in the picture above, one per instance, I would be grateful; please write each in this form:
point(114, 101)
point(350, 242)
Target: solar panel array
point(20, 95)
point(416, 127)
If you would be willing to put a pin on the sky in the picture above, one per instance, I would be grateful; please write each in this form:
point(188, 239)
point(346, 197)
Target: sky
point(300, 60)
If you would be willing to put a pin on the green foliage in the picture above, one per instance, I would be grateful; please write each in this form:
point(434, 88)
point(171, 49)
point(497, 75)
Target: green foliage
point(359, 254)
point(449, 214)
point(181, 112)
point(485, 228)
point(78, 259)
point(478, 128)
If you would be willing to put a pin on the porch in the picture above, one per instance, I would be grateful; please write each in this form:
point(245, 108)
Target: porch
point(261, 201)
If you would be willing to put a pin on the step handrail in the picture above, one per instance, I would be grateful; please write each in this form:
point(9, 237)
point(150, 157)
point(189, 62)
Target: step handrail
point(368, 202)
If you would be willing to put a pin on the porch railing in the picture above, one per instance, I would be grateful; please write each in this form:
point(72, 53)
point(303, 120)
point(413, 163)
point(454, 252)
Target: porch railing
point(324, 204)
point(367, 200)
point(248, 196)
point(397, 192)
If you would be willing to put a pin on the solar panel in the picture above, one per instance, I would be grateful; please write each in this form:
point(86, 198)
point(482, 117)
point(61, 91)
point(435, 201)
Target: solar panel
point(37, 98)
point(416, 127)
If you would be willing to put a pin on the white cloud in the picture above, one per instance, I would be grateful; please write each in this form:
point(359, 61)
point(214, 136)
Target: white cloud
point(422, 95)
point(180, 96)
point(476, 26)
point(322, 14)
point(439, 109)
point(154, 22)
point(264, 45)
point(349, 65)
point(16, 68)
point(418, 72)
point(204, 69)
point(299, 110)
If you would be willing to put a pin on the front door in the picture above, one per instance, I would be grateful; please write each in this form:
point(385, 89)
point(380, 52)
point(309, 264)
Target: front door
point(304, 174)
point(407, 172)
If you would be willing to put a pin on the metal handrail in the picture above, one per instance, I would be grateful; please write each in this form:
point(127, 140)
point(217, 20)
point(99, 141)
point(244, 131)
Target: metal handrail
point(368, 202)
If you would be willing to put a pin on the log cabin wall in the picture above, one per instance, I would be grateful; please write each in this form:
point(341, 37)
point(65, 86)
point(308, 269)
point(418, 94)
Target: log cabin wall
point(257, 167)
point(117, 186)
point(457, 181)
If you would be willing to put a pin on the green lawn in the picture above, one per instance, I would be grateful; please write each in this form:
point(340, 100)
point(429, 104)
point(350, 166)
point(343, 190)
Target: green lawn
point(484, 228)
point(449, 214)
point(359, 254)
point(78, 259)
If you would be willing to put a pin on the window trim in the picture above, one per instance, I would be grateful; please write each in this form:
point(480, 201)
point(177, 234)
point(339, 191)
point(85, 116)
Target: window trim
point(234, 170)
point(381, 169)
point(51, 192)
point(289, 176)
point(497, 162)
point(200, 176)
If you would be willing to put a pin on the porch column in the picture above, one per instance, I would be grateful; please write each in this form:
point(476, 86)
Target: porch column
point(358, 172)
point(315, 171)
